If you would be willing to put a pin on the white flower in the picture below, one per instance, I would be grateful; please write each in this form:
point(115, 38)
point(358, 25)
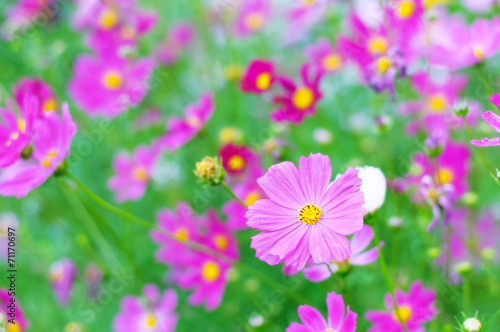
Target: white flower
point(374, 187)
point(322, 136)
point(472, 325)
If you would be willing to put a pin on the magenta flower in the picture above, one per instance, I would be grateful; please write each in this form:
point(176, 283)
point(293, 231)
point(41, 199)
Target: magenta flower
point(25, 12)
point(494, 121)
point(184, 224)
point(249, 191)
point(259, 77)
point(236, 159)
point(152, 312)
point(359, 242)
point(62, 274)
point(51, 141)
point(47, 100)
point(219, 237)
point(179, 38)
point(133, 173)
point(298, 101)
point(467, 45)
point(22, 323)
point(182, 130)
point(325, 57)
point(313, 320)
point(253, 15)
point(415, 309)
point(108, 86)
point(16, 130)
point(305, 217)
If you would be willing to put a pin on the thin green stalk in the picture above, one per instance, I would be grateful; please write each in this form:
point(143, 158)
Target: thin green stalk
point(466, 294)
point(388, 281)
point(299, 299)
point(448, 253)
point(231, 193)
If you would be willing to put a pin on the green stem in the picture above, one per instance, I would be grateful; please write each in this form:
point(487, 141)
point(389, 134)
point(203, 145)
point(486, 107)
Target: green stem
point(231, 193)
point(299, 299)
point(466, 294)
point(388, 281)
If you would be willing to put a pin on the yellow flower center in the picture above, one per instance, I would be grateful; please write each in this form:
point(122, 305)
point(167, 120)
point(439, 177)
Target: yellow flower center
point(478, 53)
point(221, 242)
point(112, 80)
point(108, 19)
point(384, 64)
point(140, 174)
point(254, 21)
point(21, 124)
point(308, 2)
point(310, 214)
point(329, 329)
point(49, 105)
point(378, 45)
point(431, 3)
point(445, 176)
point(404, 313)
point(48, 160)
point(150, 320)
point(229, 134)
point(437, 103)
point(182, 234)
point(303, 98)
point(251, 198)
point(13, 328)
point(406, 8)
point(263, 81)
point(332, 62)
point(210, 271)
point(433, 195)
point(193, 121)
point(236, 163)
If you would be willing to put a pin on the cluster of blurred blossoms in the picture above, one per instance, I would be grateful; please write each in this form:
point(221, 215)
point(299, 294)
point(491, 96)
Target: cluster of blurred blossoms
point(309, 221)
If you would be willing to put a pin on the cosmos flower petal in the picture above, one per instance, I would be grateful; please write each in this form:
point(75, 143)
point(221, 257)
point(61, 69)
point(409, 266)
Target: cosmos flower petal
point(486, 142)
point(361, 240)
point(315, 173)
point(336, 310)
point(312, 318)
point(317, 273)
point(326, 245)
point(349, 324)
point(288, 243)
point(492, 119)
point(296, 327)
point(266, 215)
point(364, 258)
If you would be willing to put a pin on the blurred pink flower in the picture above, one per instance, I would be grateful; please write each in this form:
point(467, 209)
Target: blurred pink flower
point(108, 86)
point(180, 36)
point(47, 100)
point(16, 130)
point(259, 77)
point(302, 16)
point(305, 217)
point(236, 159)
point(494, 121)
point(359, 242)
point(313, 320)
point(62, 274)
point(152, 312)
point(182, 130)
point(133, 173)
point(416, 308)
point(297, 101)
point(51, 142)
point(253, 16)
point(21, 323)
point(325, 57)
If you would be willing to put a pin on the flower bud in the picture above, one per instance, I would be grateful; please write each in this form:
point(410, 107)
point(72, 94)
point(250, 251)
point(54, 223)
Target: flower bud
point(26, 152)
point(210, 171)
point(472, 325)
point(470, 198)
point(463, 268)
point(461, 108)
point(433, 147)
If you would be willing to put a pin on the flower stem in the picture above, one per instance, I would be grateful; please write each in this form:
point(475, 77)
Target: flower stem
point(388, 281)
point(466, 294)
point(231, 193)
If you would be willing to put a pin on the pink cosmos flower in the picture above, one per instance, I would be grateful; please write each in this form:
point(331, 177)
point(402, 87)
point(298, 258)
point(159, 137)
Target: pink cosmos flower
point(325, 57)
point(253, 15)
point(179, 38)
point(297, 101)
point(359, 242)
point(219, 237)
point(152, 312)
point(62, 274)
point(415, 309)
point(249, 192)
point(467, 45)
point(22, 323)
point(7, 220)
point(25, 12)
point(182, 130)
point(185, 225)
point(313, 320)
point(206, 276)
point(47, 100)
point(259, 77)
point(108, 86)
point(133, 173)
point(236, 158)
point(494, 121)
point(407, 18)
point(16, 130)
point(51, 141)
point(305, 217)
